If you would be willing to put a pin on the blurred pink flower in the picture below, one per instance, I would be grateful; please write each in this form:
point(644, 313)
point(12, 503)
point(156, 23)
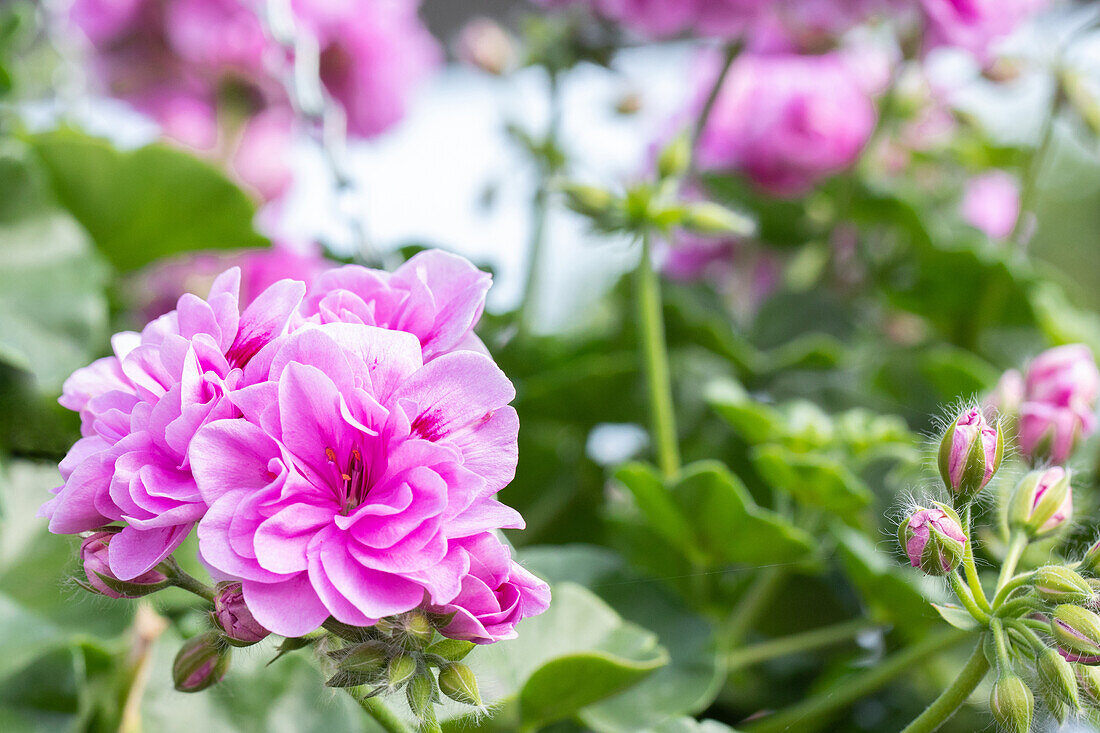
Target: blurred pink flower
point(991, 203)
point(787, 121)
point(262, 158)
point(975, 25)
point(216, 35)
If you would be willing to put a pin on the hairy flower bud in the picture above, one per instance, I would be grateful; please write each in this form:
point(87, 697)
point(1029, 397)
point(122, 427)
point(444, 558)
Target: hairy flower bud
point(457, 682)
point(201, 662)
point(970, 453)
point(366, 661)
point(673, 161)
point(1012, 703)
point(1042, 502)
point(1077, 632)
point(933, 539)
point(419, 693)
point(1059, 584)
point(1091, 560)
point(416, 630)
point(709, 218)
point(1057, 677)
point(588, 200)
point(400, 670)
point(93, 555)
point(232, 616)
point(1088, 682)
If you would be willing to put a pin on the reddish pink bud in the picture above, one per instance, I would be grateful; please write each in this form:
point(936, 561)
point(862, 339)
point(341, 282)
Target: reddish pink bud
point(93, 555)
point(933, 539)
point(232, 616)
point(970, 453)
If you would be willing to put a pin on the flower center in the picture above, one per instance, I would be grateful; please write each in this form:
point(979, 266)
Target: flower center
point(352, 483)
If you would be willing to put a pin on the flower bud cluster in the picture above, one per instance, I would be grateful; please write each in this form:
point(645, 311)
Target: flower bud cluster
point(405, 652)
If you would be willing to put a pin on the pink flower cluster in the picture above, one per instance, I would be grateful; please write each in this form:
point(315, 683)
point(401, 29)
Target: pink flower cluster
point(191, 64)
point(339, 447)
point(975, 25)
point(1055, 401)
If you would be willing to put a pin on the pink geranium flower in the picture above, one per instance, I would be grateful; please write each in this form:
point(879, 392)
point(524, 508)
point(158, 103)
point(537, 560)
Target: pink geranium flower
point(356, 468)
point(140, 409)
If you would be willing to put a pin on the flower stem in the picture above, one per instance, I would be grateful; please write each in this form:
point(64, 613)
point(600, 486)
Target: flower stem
point(954, 696)
point(1035, 166)
point(971, 570)
point(966, 599)
point(181, 579)
point(381, 713)
point(796, 643)
point(1016, 548)
point(809, 714)
point(1005, 590)
point(651, 330)
point(732, 51)
point(751, 604)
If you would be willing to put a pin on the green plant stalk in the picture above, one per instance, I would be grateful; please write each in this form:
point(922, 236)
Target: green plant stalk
point(1017, 607)
point(178, 577)
point(1005, 590)
point(808, 714)
point(944, 706)
point(1035, 165)
point(730, 54)
point(381, 713)
point(798, 643)
point(651, 330)
point(1000, 645)
point(540, 206)
point(971, 570)
point(1016, 546)
point(966, 599)
point(751, 604)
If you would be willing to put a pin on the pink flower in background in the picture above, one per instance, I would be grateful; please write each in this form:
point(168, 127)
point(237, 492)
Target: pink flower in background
point(1066, 376)
point(975, 25)
point(139, 410)
point(356, 468)
point(157, 288)
point(262, 158)
point(103, 21)
point(991, 203)
point(787, 121)
point(496, 594)
point(1051, 432)
point(372, 54)
point(651, 18)
point(436, 296)
point(217, 35)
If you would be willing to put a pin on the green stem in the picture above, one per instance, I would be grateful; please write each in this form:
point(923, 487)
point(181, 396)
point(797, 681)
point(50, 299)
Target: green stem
point(1018, 607)
point(181, 579)
point(1035, 165)
point(751, 604)
point(1016, 548)
point(381, 713)
point(540, 206)
point(651, 329)
point(797, 643)
point(954, 696)
point(808, 714)
point(1006, 589)
point(1000, 645)
point(966, 599)
point(730, 54)
point(971, 570)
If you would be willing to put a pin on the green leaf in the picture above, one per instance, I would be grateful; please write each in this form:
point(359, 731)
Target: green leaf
point(53, 310)
point(148, 203)
point(26, 636)
point(813, 479)
point(957, 616)
point(661, 512)
point(755, 421)
point(729, 525)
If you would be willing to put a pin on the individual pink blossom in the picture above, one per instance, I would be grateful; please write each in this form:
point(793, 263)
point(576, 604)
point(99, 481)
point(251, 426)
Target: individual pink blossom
point(436, 296)
point(354, 472)
point(372, 54)
point(217, 35)
point(1065, 375)
point(787, 121)
point(139, 410)
point(232, 616)
point(106, 20)
point(975, 25)
point(1050, 431)
point(94, 557)
point(991, 203)
point(496, 594)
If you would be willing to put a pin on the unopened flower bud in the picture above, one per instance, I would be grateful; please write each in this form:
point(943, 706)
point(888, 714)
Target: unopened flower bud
point(400, 670)
point(94, 554)
point(1088, 682)
point(457, 682)
point(1059, 584)
point(419, 694)
point(933, 539)
point(232, 616)
point(1049, 432)
point(201, 662)
point(588, 200)
point(1042, 502)
point(416, 630)
point(1077, 632)
point(1057, 677)
point(673, 161)
point(970, 453)
point(1091, 560)
point(709, 218)
point(1012, 703)
point(368, 659)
